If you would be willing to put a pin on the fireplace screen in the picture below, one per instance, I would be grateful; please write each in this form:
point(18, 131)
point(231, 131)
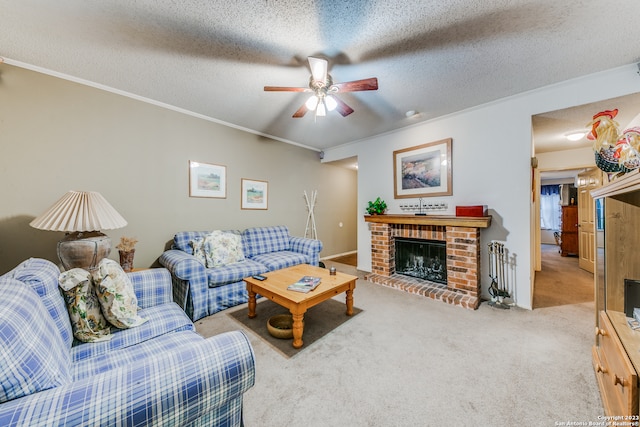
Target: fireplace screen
point(424, 259)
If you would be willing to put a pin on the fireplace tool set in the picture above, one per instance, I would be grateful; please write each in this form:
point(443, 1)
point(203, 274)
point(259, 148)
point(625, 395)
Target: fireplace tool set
point(500, 297)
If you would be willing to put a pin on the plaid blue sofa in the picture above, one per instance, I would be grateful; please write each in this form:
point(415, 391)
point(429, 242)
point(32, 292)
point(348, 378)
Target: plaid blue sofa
point(161, 373)
point(202, 291)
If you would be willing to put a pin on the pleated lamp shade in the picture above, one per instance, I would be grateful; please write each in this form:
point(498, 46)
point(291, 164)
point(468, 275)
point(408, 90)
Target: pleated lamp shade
point(80, 211)
point(81, 214)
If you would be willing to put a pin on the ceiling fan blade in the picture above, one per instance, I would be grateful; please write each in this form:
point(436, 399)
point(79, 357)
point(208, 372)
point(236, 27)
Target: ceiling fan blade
point(318, 68)
point(463, 31)
point(301, 112)
point(285, 89)
point(357, 85)
point(342, 108)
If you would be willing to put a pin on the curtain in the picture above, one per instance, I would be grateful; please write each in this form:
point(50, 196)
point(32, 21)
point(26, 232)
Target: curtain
point(550, 207)
point(548, 190)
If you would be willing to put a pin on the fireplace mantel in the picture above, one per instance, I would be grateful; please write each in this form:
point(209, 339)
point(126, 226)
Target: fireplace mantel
point(444, 220)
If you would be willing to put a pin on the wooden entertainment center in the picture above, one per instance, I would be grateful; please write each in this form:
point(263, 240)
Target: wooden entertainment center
point(616, 353)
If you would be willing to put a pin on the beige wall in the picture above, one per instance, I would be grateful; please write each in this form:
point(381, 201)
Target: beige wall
point(58, 135)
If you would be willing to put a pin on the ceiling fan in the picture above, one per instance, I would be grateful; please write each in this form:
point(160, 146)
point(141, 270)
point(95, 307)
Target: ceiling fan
point(324, 90)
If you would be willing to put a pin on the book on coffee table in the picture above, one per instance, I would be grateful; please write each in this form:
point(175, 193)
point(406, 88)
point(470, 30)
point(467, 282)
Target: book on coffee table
point(305, 284)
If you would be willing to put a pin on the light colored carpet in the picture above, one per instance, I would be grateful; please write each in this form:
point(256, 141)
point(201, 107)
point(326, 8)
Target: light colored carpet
point(412, 361)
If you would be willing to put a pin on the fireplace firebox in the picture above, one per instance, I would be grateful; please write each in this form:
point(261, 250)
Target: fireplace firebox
point(422, 259)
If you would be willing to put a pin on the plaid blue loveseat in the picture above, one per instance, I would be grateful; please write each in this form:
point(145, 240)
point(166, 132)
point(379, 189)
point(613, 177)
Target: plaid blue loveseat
point(202, 291)
point(161, 373)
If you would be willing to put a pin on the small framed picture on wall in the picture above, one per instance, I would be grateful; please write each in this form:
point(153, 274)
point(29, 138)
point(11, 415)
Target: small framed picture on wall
point(207, 180)
point(255, 194)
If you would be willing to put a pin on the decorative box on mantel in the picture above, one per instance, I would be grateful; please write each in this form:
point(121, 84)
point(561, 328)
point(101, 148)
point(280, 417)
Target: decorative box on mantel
point(478, 210)
point(462, 237)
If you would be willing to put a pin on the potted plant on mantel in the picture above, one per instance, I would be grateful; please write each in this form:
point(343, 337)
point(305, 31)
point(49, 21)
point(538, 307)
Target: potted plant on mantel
point(377, 207)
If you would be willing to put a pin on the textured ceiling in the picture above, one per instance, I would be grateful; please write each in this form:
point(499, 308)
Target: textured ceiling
point(213, 58)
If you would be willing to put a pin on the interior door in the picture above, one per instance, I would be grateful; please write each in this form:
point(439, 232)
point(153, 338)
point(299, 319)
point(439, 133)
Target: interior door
point(587, 181)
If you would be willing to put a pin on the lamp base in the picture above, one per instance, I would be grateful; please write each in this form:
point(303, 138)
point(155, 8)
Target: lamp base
point(83, 249)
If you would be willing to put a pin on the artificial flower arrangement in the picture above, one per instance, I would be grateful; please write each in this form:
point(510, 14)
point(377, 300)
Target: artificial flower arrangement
point(127, 244)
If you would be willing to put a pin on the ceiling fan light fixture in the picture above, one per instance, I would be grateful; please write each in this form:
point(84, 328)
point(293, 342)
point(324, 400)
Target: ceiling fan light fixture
point(330, 103)
point(312, 102)
point(318, 68)
point(322, 86)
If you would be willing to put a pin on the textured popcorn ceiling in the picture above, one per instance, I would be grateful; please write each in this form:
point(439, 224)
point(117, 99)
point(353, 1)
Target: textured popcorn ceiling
point(214, 57)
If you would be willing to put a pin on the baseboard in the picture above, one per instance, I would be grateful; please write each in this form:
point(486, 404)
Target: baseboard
point(338, 255)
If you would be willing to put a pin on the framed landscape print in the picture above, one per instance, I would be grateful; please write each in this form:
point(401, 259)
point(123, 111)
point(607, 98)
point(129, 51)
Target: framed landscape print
point(255, 194)
point(207, 180)
point(423, 171)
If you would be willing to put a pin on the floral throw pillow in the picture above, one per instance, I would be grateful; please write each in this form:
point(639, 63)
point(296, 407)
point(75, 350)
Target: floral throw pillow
point(87, 321)
point(222, 248)
point(198, 249)
point(116, 295)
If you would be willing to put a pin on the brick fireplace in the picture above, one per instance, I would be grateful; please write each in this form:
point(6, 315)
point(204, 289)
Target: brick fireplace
point(462, 237)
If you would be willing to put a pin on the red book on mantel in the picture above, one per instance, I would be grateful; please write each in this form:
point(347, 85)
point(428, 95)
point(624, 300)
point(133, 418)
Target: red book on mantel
point(478, 210)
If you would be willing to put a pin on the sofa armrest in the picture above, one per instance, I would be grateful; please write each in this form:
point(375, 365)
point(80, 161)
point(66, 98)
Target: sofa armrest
point(309, 247)
point(189, 279)
point(152, 287)
point(173, 388)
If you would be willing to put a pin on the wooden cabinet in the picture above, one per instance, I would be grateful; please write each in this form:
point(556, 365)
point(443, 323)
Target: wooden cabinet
point(617, 378)
point(569, 231)
point(616, 359)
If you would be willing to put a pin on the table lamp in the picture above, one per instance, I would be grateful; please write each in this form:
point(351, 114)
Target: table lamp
point(81, 214)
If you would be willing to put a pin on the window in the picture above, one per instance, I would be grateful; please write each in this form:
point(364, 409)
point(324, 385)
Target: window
point(550, 207)
point(599, 215)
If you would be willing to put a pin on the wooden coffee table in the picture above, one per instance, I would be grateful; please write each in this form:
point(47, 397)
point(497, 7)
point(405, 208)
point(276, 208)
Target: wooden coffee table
point(275, 289)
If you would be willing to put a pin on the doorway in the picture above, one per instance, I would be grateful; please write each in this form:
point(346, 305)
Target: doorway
point(559, 278)
point(349, 255)
point(554, 153)
point(553, 150)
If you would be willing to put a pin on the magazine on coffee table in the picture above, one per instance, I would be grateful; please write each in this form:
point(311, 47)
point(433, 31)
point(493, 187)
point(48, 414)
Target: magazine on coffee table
point(305, 284)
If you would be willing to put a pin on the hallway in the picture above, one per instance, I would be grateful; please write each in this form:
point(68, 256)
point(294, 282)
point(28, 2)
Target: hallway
point(561, 281)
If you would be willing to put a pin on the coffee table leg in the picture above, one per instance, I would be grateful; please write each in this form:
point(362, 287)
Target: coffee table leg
point(349, 302)
point(252, 303)
point(298, 327)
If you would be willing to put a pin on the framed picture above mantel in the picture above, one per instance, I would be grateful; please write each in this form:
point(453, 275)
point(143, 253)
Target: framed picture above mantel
point(423, 170)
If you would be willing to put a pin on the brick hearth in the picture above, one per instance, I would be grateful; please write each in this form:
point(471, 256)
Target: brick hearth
point(462, 237)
